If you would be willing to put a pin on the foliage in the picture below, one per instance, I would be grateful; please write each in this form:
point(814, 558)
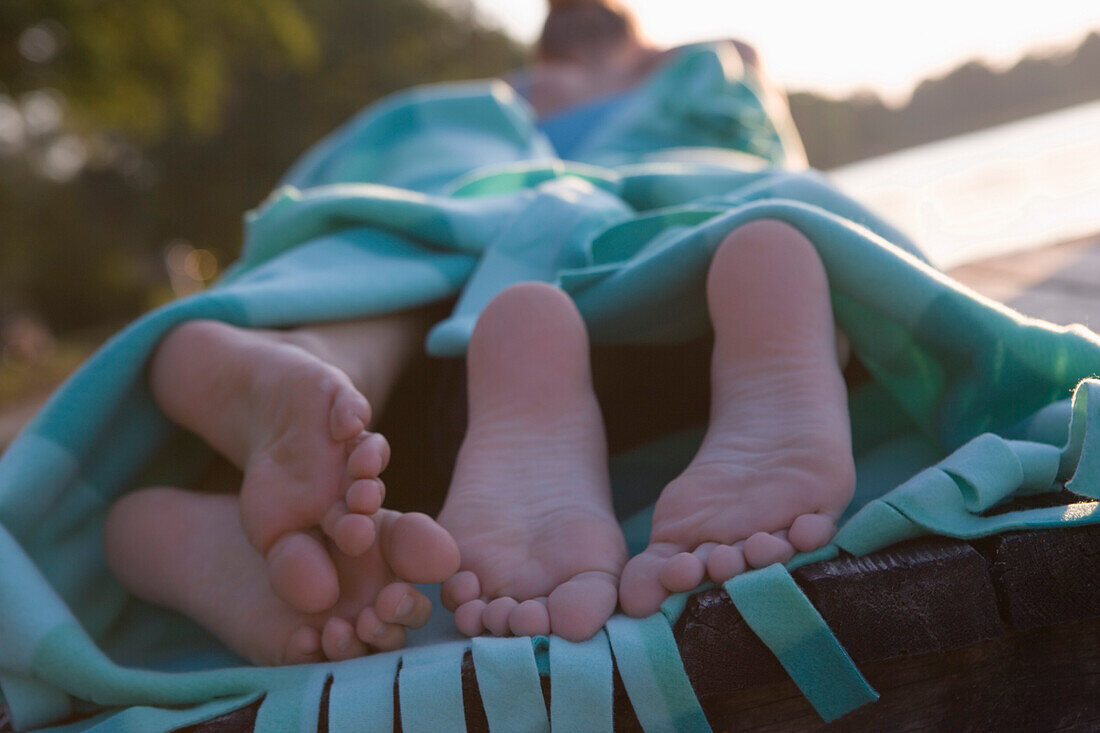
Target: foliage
point(969, 98)
point(139, 66)
point(181, 114)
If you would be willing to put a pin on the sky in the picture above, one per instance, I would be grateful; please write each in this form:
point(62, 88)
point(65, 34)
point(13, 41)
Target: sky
point(840, 46)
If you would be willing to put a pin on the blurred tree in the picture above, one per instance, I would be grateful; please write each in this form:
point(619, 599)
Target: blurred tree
point(125, 127)
point(136, 67)
point(369, 50)
point(971, 97)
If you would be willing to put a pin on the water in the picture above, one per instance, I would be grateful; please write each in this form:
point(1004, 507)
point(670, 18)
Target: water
point(1015, 186)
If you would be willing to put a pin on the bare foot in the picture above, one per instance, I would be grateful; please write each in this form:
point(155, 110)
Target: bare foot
point(775, 470)
point(296, 426)
point(530, 504)
point(185, 550)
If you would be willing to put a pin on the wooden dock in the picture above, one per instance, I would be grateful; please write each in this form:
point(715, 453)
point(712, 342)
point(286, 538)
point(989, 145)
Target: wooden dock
point(1060, 283)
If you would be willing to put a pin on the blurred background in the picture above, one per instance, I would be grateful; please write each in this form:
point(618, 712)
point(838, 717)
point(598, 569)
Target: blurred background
point(134, 135)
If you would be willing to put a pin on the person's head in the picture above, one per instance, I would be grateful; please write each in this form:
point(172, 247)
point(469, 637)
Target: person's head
point(578, 30)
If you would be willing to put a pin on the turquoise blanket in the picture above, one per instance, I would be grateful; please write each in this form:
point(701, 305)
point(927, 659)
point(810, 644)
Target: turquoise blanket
point(451, 192)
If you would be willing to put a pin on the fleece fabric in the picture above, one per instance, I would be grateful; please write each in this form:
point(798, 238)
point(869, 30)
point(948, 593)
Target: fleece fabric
point(452, 192)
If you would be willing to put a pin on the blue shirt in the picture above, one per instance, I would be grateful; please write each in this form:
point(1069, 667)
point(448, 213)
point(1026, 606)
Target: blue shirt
point(568, 128)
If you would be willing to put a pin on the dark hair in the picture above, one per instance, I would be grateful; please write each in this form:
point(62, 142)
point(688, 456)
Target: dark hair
point(575, 28)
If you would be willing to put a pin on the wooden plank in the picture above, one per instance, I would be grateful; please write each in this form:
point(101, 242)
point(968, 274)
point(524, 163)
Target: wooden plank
point(922, 596)
point(1060, 284)
point(1074, 262)
point(1045, 578)
point(720, 651)
point(1048, 300)
point(1060, 308)
point(1048, 680)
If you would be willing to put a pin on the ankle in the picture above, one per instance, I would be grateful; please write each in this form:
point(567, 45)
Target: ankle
point(372, 352)
point(181, 383)
point(399, 340)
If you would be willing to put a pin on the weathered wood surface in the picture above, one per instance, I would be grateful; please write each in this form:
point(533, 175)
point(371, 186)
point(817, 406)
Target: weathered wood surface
point(1048, 578)
point(1048, 680)
point(1059, 283)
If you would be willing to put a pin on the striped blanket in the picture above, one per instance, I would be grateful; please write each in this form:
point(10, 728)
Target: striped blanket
point(451, 192)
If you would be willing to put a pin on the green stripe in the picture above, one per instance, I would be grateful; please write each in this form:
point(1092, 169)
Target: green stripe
point(777, 610)
point(653, 675)
point(508, 679)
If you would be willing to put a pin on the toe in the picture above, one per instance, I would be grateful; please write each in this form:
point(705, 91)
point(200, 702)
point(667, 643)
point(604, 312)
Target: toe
point(328, 522)
point(369, 458)
point(579, 607)
point(366, 495)
point(763, 549)
point(725, 561)
point(304, 647)
point(353, 534)
point(460, 588)
point(393, 638)
point(302, 574)
point(417, 548)
point(377, 633)
point(682, 572)
point(640, 590)
point(401, 603)
point(811, 531)
point(497, 613)
point(530, 618)
point(339, 642)
point(349, 415)
point(470, 617)
point(703, 551)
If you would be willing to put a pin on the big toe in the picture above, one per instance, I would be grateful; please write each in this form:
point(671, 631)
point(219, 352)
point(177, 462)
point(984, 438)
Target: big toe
point(302, 574)
point(417, 549)
point(580, 606)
